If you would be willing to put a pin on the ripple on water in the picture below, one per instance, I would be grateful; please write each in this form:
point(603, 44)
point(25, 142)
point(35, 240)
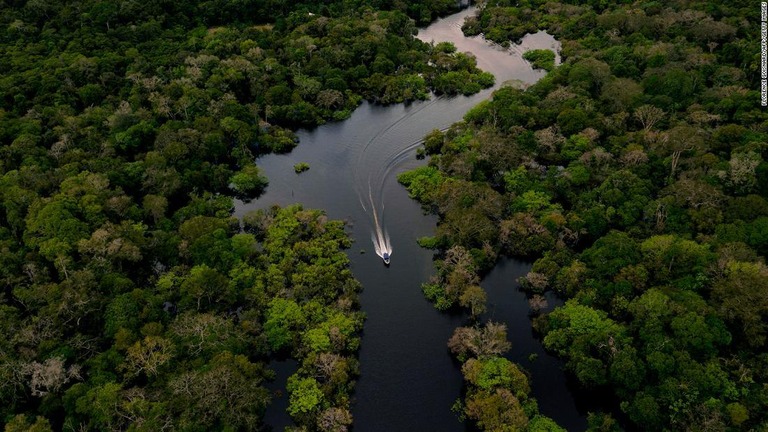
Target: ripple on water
point(408, 380)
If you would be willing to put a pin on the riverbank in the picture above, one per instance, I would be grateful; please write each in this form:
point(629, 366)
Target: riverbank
point(408, 381)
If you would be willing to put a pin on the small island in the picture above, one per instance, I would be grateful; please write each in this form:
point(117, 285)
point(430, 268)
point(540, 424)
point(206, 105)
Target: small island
point(541, 59)
point(301, 167)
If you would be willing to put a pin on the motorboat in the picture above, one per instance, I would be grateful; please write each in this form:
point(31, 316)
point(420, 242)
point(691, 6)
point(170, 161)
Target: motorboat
point(386, 258)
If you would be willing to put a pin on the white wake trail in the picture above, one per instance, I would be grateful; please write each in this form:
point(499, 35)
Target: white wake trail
point(379, 237)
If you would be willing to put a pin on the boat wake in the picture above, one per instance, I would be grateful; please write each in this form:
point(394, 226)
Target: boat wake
point(376, 163)
point(379, 236)
point(381, 244)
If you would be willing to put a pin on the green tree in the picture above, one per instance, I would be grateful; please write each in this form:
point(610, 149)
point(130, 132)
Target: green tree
point(742, 298)
point(20, 423)
point(249, 181)
point(306, 398)
point(283, 319)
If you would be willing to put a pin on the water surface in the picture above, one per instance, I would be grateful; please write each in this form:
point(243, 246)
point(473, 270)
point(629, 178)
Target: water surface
point(408, 380)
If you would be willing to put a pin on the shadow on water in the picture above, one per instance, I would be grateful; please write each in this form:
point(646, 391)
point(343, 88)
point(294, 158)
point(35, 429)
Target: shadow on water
point(408, 380)
point(549, 384)
point(275, 416)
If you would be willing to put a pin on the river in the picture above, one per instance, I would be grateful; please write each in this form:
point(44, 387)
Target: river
point(408, 380)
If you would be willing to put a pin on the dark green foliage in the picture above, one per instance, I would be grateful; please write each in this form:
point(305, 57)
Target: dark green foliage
point(422, 183)
point(125, 129)
point(190, 349)
point(498, 394)
point(633, 172)
point(541, 59)
point(248, 181)
point(301, 167)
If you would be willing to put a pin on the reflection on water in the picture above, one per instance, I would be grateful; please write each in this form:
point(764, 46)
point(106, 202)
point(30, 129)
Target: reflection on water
point(408, 380)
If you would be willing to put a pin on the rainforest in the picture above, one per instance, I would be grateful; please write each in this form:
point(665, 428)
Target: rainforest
point(573, 196)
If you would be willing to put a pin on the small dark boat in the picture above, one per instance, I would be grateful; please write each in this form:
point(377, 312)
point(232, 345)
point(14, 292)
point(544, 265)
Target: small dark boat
point(386, 258)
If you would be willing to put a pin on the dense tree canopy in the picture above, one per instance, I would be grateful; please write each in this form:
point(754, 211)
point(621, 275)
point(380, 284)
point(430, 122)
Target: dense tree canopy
point(635, 174)
point(498, 393)
point(187, 348)
point(131, 300)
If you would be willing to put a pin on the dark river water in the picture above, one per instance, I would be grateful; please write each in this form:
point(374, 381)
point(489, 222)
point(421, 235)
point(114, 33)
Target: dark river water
point(408, 380)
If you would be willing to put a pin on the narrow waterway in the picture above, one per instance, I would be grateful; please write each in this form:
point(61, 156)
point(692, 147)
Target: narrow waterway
point(408, 381)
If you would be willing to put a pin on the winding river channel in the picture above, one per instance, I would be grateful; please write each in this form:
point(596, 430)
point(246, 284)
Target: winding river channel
point(408, 380)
